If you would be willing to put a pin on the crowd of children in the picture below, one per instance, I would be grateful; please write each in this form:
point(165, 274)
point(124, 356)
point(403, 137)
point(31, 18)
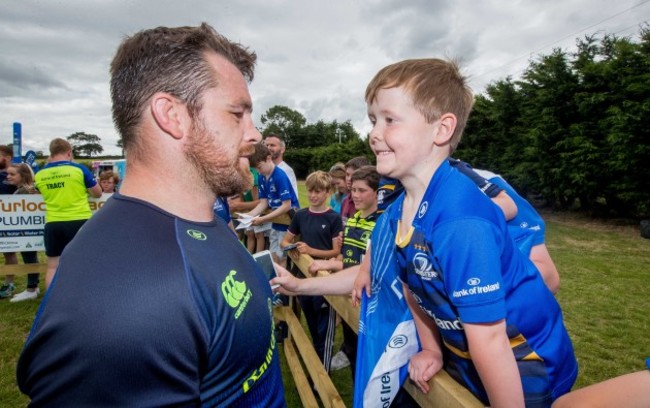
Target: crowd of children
point(477, 278)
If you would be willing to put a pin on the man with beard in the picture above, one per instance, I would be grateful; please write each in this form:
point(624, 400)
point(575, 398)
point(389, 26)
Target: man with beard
point(155, 302)
point(276, 146)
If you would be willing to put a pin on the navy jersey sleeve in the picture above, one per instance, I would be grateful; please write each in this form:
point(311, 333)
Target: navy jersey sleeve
point(489, 189)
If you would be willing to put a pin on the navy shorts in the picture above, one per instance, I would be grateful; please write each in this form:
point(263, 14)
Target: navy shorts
point(58, 234)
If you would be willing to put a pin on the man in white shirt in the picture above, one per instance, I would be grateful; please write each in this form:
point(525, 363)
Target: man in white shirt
point(276, 146)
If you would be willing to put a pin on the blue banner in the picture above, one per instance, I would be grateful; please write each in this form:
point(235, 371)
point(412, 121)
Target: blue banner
point(30, 156)
point(17, 143)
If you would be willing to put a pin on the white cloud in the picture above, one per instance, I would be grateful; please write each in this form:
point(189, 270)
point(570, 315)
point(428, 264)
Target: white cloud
point(315, 57)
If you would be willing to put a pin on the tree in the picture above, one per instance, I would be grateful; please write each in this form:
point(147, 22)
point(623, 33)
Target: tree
point(85, 144)
point(284, 122)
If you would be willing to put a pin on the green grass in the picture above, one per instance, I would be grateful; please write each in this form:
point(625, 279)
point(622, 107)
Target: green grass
point(604, 296)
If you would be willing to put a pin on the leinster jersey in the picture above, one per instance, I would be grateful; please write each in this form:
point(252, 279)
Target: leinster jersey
point(150, 310)
point(463, 267)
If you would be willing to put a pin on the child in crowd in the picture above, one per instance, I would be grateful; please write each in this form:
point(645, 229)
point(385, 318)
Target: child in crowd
point(276, 193)
point(471, 291)
point(108, 181)
point(246, 201)
point(337, 172)
point(21, 176)
point(347, 205)
point(355, 239)
point(318, 227)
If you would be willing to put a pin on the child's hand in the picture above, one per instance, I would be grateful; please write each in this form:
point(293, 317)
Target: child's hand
point(257, 221)
point(303, 248)
point(422, 367)
point(361, 284)
point(338, 241)
point(318, 265)
point(289, 284)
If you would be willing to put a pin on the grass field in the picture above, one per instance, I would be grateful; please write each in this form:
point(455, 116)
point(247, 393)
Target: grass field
point(605, 276)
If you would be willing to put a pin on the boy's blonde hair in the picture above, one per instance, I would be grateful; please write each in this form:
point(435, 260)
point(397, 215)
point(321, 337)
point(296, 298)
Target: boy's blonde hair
point(436, 87)
point(319, 180)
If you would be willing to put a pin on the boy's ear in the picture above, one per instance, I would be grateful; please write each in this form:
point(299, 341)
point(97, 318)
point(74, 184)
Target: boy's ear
point(446, 128)
point(170, 114)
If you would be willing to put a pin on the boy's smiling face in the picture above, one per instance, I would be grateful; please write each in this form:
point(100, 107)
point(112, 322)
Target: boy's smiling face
point(317, 197)
point(363, 195)
point(401, 138)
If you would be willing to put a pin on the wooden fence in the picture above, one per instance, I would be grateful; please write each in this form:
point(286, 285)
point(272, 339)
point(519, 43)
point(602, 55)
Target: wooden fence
point(444, 391)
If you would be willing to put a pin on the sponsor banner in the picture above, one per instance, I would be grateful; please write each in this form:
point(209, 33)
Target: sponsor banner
point(22, 221)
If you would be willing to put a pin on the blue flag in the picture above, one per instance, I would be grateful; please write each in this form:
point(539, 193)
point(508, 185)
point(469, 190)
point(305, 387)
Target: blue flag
point(387, 334)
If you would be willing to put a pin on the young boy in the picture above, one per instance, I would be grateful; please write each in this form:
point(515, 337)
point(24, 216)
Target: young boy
point(475, 298)
point(356, 234)
point(347, 205)
point(276, 193)
point(318, 227)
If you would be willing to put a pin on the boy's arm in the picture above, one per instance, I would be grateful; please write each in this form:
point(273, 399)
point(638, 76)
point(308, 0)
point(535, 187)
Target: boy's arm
point(425, 364)
point(282, 209)
point(545, 265)
point(335, 284)
point(288, 239)
point(261, 206)
point(238, 204)
point(332, 265)
point(495, 362)
point(506, 204)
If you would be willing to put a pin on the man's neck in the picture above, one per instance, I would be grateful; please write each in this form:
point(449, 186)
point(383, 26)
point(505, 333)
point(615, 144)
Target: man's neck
point(277, 161)
point(59, 157)
point(186, 197)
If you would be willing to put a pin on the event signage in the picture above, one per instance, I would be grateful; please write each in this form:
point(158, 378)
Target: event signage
point(17, 143)
point(30, 156)
point(22, 220)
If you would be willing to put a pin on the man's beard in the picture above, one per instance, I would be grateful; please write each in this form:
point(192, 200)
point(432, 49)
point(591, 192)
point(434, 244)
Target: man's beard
point(221, 173)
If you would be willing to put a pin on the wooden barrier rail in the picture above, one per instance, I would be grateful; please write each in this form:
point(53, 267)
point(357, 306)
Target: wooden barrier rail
point(22, 269)
point(444, 390)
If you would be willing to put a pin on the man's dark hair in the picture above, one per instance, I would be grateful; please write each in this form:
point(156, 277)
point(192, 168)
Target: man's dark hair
point(357, 162)
point(171, 60)
point(260, 155)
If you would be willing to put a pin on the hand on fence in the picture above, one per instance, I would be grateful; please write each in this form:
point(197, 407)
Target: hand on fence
point(422, 367)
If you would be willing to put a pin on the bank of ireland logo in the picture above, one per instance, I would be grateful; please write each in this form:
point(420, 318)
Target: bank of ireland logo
point(398, 341)
point(232, 290)
point(198, 235)
point(349, 252)
point(473, 281)
point(423, 209)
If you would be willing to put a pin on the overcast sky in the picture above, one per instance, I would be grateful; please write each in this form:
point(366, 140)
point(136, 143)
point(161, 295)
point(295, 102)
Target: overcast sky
point(313, 56)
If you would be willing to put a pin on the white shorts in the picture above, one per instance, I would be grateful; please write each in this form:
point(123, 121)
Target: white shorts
point(275, 241)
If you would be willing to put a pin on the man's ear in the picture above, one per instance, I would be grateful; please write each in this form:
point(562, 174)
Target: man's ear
point(170, 114)
point(446, 128)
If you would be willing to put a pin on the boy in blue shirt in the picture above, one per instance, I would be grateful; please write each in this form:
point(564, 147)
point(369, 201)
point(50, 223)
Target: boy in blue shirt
point(276, 193)
point(471, 291)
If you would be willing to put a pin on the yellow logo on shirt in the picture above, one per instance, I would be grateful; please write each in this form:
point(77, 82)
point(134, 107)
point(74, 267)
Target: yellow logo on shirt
point(235, 293)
